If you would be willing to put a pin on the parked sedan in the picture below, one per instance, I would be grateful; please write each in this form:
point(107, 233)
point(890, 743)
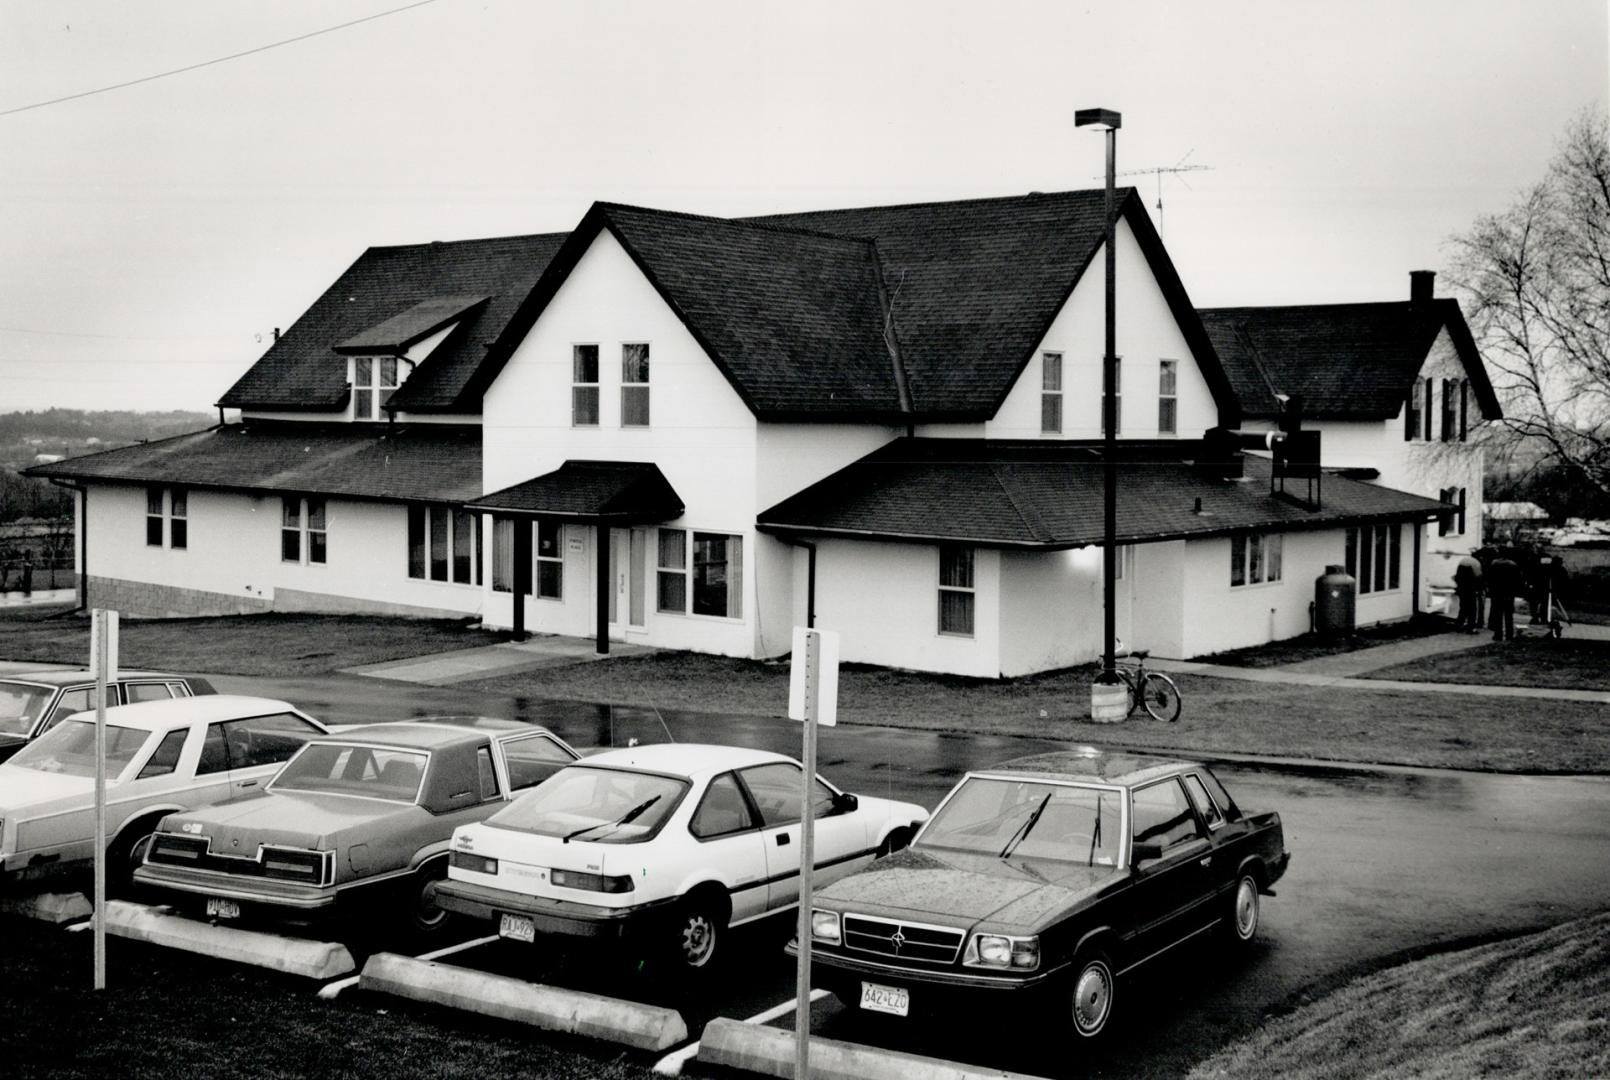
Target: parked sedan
point(1051, 876)
point(358, 821)
point(675, 842)
point(35, 701)
point(161, 756)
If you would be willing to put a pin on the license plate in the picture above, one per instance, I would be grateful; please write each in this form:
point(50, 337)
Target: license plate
point(885, 999)
point(222, 909)
point(517, 927)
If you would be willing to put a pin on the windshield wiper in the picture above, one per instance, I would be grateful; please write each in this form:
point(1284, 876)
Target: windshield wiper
point(625, 819)
point(1023, 830)
point(1095, 833)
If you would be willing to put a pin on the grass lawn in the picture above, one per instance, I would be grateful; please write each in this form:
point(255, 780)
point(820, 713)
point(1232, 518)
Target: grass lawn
point(1567, 663)
point(273, 644)
point(1311, 646)
point(1533, 1006)
point(169, 1016)
point(1220, 715)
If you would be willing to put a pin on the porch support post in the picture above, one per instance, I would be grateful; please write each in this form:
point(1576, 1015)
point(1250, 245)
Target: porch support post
point(522, 572)
point(605, 583)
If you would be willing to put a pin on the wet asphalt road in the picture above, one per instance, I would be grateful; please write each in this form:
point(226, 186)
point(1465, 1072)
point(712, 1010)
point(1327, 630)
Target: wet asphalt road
point(1385, 863)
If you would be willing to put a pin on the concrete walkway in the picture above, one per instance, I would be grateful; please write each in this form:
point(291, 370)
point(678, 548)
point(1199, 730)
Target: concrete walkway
point(490, 661)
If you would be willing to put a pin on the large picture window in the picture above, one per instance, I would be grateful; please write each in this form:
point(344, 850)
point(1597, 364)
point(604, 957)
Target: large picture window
point(1256, 558)
point(1051, 394)
point(1374, 557)
point(956, 590)
point(584, 386)
point(699, 573)
point(634, 385)
point(444, 544)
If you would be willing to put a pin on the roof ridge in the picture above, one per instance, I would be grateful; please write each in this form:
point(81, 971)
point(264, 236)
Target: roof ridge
point(742, 223)
point(465, 241)
point(949, 202)
point(1294, 307)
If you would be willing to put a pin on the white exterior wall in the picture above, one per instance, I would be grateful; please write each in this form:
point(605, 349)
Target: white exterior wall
point(234, 549)
point(1157, 591)
point(1050, 609)
point(701, 435)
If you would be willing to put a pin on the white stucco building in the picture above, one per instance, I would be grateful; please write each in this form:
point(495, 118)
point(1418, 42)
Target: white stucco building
point(696, 433)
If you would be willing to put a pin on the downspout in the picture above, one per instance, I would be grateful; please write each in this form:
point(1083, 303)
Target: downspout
point(83, 541)
point(1419, 539)
point(891, 340)
point(810, 577)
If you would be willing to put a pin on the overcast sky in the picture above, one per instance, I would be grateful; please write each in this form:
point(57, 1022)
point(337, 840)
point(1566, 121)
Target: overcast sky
point(151, 237)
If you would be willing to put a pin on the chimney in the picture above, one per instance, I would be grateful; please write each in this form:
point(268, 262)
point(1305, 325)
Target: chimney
point(1421, 286)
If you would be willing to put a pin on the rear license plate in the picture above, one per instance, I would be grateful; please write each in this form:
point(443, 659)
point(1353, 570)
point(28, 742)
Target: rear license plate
point(885, 999)
point(222, 909)
point(517, 927)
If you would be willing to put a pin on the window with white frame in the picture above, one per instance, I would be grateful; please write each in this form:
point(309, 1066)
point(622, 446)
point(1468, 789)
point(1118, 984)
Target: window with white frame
point(1118, 395)
point(153, 517)
point(550, 559)
point(444, 544)
point(303, 536)
point(1455, 410)
point(374, 380)
point(1411, 412)
point(1256, 558)
point(1051, 393)
point(699, 573)
point(1374, 557)
point(584, 386)
point(1452, 523)
point(956, 589)
point(179, 518)
point(1168, 397)
point(175, 522)
point(634, 385)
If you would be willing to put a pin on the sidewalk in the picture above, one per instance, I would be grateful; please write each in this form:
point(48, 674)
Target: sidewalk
point(489, 661)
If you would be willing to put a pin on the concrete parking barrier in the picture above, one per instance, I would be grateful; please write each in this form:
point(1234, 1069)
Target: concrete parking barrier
point(770, 1052)
point(295, 956)
point(49, 907)
point(644, 1027)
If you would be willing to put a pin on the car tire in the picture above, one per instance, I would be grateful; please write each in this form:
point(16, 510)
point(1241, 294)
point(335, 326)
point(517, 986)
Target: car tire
point(1090, 999)
point(897, 840)
point(696, 935)
point(1244, 911)
point(125, 853)
point(425, 919)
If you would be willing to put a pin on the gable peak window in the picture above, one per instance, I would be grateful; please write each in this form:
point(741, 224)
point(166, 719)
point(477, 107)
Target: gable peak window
point(1168, 397)
point(374, 380)
point(1051, 393)
point(634, 385)
point(584, 386)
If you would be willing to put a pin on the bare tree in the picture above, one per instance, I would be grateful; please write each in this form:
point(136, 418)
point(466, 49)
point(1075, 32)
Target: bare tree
point(1538, 278)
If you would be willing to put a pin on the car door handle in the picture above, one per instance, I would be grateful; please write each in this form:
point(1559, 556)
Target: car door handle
point(248, 783)
point(1208, 861)
point(782, 839)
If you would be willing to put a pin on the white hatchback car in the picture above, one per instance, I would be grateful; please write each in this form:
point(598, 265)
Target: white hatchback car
point(161, 756)
point(674, 842)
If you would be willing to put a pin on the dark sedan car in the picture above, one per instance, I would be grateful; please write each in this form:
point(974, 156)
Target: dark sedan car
point(1051, 876)
point(33, 702)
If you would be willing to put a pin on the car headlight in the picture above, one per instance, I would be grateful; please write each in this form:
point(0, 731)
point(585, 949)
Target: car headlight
point(825, 926)
point(572, 879)
point(1002, 951)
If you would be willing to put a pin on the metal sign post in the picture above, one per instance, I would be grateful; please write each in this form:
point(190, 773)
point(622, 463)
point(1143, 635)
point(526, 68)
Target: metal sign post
point(813, 694)
point(103, 660)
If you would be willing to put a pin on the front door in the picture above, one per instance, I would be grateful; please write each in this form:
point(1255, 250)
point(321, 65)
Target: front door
point(626, 599)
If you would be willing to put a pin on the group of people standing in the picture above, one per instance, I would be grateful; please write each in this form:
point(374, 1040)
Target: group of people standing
point(1497, 576)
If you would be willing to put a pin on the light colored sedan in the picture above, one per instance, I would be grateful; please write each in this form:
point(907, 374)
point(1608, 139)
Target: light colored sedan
point(161, 756)
point(673, 842)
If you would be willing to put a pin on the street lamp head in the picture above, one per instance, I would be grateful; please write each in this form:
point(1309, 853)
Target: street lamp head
point(1110, 119)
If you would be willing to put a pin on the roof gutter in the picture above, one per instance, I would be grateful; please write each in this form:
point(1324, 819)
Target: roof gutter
point(810, 574)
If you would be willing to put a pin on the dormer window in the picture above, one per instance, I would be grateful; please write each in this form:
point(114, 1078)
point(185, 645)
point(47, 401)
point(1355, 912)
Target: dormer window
point(374, 380)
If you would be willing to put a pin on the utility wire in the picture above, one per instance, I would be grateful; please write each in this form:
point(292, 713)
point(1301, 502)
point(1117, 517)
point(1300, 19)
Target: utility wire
point(217, 60)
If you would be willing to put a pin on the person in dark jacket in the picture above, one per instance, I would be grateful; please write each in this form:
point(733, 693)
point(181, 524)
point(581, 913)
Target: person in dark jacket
point(1503, 583)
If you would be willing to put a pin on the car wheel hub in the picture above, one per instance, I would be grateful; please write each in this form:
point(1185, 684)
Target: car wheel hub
point(698, 940)
point(1092, 997)
point(1246, 909)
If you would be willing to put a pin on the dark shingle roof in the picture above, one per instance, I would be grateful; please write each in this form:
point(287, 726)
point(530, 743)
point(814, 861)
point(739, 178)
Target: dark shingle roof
point(1347, 361)
point(634, 491)
point(301, 370)
point(419, 322)
point(1001, 493)
point(429, 462)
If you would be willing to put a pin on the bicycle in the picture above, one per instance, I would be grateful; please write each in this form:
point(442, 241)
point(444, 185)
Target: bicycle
point(1151, 690)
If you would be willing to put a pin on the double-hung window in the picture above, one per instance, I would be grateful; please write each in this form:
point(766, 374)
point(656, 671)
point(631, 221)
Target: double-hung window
point(584, 386)
point(699, 573)
point(302, 530)
point(178, 518)
point(1051, 394)
point(374, 380)
point(1168, 397)
point(634, 385)
point(1256, 558)
point(1374, 557)
point(153, 517)
point(177, 527)
point(956, 590)
point(444, 544)
point(1453, 522)
point(1411, 412)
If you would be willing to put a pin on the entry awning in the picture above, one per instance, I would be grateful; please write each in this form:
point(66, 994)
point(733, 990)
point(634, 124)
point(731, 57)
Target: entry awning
point(611, 492)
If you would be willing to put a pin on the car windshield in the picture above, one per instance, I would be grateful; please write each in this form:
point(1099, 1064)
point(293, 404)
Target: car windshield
point(355, 769)
point(604, 806)
point(70, 748)
point(1029, 819)
point(21, 705)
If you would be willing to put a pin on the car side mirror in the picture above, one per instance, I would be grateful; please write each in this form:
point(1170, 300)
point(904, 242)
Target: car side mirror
point(845, 803)
point(1140, 852)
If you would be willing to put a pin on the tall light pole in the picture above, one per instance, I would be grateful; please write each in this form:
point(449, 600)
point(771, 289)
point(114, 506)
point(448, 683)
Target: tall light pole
point(1110, 121)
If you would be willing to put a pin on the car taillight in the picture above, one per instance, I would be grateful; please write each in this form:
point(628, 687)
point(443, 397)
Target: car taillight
point(572, 879)
point(475, 864)
point(305, 866)
point(172, 848)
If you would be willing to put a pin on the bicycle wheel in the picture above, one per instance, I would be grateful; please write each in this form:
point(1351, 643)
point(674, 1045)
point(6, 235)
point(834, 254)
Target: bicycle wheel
point(1160, 696)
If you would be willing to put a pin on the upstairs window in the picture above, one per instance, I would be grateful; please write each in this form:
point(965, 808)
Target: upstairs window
point(584, 386)
point(1256, 558)
point(374, 380)
point(1167, 397)
point(1425, 414)
point(1452, 523)
point(956, 590)
point(1454, 410)
point(1117, 396)
point(634, 386)
point(1374, 557)
point(1411, 413)
point(444, 544)
point(1051, 394)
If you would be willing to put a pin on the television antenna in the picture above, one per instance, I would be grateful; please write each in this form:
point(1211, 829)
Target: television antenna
point(1159, 171)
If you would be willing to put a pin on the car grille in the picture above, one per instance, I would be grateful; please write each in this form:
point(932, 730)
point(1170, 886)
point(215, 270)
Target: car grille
point(908, 941)
point(286, 864)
